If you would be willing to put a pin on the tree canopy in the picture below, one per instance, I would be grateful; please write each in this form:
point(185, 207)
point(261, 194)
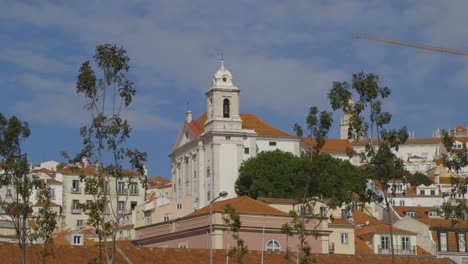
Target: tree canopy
point(280, 174)
point(270, 174)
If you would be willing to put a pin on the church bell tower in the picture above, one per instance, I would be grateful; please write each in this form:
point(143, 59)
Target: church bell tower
point(223, 103)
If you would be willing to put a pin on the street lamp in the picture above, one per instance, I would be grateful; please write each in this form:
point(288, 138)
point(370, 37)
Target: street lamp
point(221, 194)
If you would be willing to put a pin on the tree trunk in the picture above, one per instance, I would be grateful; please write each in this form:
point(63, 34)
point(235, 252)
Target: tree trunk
point(390, 219)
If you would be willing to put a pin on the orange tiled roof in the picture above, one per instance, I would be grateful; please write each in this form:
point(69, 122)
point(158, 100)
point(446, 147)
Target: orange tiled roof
point(158, 179)
point(60, 237)
point(129, 253)
point(410, 141)
point(270, 200)
point(442, 222)
point(51, 204)
point(378, 228)
point(43, 170)
point(158, 182)
point(332, 145)
point(420, 211)
point(243, 205)
point(90, 170)
point(361, 247)
point(360, 217)
point(249, 121)
point(340, 221)
point(422, 252)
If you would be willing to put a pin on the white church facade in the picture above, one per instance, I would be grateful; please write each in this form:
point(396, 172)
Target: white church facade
point(208, 151)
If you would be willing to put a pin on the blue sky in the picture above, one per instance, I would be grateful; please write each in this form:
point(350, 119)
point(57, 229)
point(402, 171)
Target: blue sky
point(284, 56)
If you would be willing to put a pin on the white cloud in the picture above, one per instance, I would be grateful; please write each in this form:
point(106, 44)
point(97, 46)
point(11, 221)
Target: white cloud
point(33, 60)
point(179, 43)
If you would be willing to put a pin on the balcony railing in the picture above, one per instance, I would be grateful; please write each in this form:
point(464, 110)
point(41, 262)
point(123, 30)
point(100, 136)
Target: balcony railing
point(411, 250)
point(76, 190)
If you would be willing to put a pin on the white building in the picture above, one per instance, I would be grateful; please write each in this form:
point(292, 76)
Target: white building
point(208, 151)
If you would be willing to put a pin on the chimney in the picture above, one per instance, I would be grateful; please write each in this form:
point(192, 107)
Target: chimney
point(188, 116)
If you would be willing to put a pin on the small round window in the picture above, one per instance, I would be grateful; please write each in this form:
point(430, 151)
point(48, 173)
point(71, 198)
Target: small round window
point(224, 79)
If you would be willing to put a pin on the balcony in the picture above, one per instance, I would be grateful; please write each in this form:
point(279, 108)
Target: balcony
point(76, 190)
point(411, 250)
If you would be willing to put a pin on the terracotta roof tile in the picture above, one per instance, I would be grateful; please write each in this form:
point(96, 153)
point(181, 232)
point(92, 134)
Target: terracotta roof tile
point(340, 221)
point(128, 253)
point(270, 200)
point(442, 222)
point(90, 170)
point(243, 205)
point(364, 231)
point(249, 121)
point(359, 217)
point(332, 145)
point(361, 247)
point(420, 211)
point(51, 204)
point(422, 252)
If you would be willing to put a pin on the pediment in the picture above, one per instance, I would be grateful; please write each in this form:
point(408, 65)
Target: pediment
point(184, 136)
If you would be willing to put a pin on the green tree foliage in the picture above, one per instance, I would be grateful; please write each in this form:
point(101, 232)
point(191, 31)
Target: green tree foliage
point(46, 221)
point(333, 180)
point(456, 207)
point(270, 174)
point(418, 178)
point(15, 176)
point(280, 174)
point(368, 121)
point(105, 138)
point(233, 222)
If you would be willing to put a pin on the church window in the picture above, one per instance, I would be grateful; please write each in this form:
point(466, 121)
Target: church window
point(273, 245)
point(226, 110)
point(208, 172)
point(246, 150)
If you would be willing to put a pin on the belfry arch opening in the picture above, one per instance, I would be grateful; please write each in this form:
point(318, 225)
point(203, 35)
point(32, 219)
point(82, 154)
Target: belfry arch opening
point(226, 108)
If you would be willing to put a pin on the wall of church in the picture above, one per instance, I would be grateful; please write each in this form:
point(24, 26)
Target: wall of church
point(271, 144)
point(229, 168)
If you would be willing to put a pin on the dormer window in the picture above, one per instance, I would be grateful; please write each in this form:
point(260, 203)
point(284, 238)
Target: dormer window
point(432, 214)
point(226, 110)
point(77, 240)
point(410, 212)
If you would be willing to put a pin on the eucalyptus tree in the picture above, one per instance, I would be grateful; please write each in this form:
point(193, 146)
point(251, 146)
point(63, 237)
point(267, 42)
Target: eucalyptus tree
point(319, 124)
point(45, 222)
point(455, 160)
point(17, 180)
point(108, 93)
point(362, 103)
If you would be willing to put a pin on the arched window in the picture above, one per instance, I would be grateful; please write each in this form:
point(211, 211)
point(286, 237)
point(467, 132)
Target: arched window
point(226, 108)
point(273, 245)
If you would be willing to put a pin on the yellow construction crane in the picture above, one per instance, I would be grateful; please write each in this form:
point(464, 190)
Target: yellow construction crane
point(412, 45)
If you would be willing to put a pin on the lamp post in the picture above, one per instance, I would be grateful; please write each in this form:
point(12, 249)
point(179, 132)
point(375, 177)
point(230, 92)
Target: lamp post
point(221, 194)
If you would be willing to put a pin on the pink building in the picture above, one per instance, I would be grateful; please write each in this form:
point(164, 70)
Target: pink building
point(261, 229)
